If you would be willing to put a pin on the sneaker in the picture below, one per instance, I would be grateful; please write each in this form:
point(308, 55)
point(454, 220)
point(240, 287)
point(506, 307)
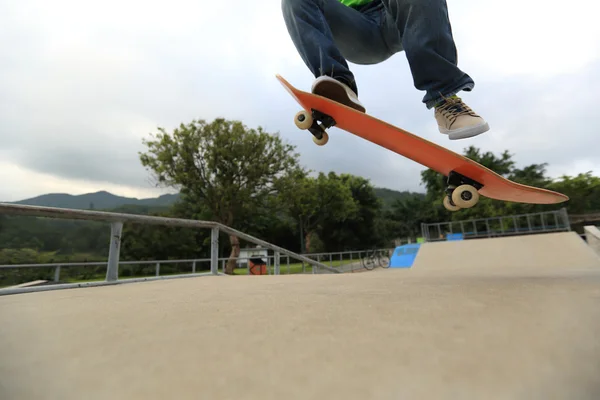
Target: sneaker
point(457, 120)
point(337, 91)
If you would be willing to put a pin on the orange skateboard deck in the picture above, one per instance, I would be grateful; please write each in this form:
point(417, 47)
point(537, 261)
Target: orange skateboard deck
point(467, 179)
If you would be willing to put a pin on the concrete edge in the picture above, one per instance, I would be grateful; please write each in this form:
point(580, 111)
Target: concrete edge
point(45, 288)
point(592, 237)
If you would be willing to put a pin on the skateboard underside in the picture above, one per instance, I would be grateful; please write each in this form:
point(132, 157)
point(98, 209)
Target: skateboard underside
point(466, 179)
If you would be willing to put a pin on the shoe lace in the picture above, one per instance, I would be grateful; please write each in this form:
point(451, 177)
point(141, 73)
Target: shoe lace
point(453, 108)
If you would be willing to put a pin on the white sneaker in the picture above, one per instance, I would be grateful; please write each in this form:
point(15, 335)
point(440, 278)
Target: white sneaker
point(337, 91)
point(457, 120)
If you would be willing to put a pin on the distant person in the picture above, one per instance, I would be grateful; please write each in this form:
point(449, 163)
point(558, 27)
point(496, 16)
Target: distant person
point(326, 33)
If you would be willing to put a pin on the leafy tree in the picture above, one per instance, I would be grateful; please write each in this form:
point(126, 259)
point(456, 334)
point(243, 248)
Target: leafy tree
point(435, 183)
point(532, 175)
point(358, 229)
point(312, 202)
point(407, 215)
point(503, 165)
point(224, 166)
point(583, 191)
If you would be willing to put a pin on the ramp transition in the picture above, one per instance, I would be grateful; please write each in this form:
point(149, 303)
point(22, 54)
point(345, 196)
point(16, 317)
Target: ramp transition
point(564, 250)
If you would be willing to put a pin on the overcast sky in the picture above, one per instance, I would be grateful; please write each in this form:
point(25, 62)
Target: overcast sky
point(90, 80)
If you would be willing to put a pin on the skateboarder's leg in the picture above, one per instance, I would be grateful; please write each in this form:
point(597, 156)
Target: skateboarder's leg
point(426, 36)
point(326, 33)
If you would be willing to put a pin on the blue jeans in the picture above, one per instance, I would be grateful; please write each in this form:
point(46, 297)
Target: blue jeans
point(326, 33)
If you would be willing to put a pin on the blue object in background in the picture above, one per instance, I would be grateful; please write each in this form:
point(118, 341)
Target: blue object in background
point(404, 256)
point(454, 236)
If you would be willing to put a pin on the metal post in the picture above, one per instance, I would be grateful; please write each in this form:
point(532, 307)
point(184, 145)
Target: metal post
point(214, 251)
point(277, 263)
point(194, 267)
point(57, 274)
point(157, 269)
point(112, 269)
point(566, 218)
point(543, 222)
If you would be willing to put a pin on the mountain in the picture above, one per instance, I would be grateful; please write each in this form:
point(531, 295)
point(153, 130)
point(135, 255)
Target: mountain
point(99, 201)
point(104, 200)
point(389, 196)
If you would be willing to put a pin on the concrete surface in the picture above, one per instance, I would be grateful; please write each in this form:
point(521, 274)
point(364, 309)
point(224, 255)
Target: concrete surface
point(27, 284)
point(593, 238)
point(458, 332)
point(563, 251)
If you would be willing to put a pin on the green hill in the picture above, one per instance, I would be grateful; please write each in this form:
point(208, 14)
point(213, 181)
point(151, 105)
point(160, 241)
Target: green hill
point(389, 196)
point(104, 200)
point(96, 201)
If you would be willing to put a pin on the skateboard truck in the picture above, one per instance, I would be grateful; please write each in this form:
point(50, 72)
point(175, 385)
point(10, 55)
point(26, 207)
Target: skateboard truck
point(310, 121)
point(461, 192)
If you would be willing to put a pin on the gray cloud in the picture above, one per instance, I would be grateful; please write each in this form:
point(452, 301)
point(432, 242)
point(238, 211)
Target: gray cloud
point(81, 110)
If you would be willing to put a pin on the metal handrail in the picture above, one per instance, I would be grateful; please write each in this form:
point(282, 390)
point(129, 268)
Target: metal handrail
point(117, 220)
point(560, 216)
point(350, 265)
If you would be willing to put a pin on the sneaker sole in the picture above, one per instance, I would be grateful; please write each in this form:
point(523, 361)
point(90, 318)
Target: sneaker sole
point(335, 92)
point(466, 132)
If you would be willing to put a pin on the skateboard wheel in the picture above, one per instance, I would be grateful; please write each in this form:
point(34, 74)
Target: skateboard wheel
point(449, 206)
point(324, 139)
point(303, 119)
point(465, 196)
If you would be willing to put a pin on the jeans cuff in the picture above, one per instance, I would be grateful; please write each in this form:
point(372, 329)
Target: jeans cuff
point(466, 87)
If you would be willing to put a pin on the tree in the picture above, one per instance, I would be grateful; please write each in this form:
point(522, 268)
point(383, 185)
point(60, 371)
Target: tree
point(532, 175)
point(435, 183)
point(359, 228)
point(313, 201)
point(223, 167)
point(583, 191)
point(406, 216)
point(503, 165)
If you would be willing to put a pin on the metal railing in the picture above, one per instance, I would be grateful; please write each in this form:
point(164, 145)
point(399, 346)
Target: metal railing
point(521, 224)
point(346, 261)
point(587, 218)
point(117, 220)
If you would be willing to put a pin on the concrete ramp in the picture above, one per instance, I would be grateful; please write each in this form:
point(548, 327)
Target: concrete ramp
point(592, 235)
point(28, 284)
point(435, 331)
point(544, 252)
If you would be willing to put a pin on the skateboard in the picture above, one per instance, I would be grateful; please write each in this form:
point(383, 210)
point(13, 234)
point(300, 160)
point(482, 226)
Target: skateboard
point(466, 179)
